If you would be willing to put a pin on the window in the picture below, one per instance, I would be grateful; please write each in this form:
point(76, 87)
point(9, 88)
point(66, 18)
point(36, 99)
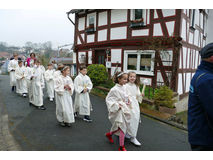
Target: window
point(138, 14)
point(142, 62)
point(204, 24)
point(192, 19)
point(91, 20)
point(132, 62)
point(145, 62)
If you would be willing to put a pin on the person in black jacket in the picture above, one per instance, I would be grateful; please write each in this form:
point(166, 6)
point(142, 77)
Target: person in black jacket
point(200, 104)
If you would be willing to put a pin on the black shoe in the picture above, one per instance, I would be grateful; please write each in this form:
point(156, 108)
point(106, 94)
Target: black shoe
point(30, 104)
point(62, 124)
point(76, 114)
point(42, 108)
point(13, 88)
point(68, 124)
point(87, 119)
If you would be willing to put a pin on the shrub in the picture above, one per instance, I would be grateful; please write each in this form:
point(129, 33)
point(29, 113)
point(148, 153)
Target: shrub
point(164, 97)
point(107, 84)
point(97, 73)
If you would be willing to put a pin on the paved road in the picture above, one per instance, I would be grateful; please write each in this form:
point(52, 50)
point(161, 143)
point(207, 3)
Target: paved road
point(39, 131)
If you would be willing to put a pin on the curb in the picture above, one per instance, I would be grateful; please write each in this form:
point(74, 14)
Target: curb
point(167, 122)
point(7, 141)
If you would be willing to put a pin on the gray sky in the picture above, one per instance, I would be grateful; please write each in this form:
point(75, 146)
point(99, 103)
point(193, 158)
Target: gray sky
point(18, 26)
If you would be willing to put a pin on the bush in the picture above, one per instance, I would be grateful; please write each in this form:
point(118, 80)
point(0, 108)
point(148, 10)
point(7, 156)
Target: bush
point(97, 73)
point(107, 84)
point(164, 97)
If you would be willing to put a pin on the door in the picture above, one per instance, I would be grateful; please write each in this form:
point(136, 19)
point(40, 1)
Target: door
point(100, 56)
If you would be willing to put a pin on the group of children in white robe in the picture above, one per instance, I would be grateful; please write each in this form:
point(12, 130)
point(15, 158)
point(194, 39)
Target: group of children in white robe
point(31, 80)
point(122, 100)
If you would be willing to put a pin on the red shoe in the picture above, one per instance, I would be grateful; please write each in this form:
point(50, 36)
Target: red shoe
point(122, 148)
point(109, 136)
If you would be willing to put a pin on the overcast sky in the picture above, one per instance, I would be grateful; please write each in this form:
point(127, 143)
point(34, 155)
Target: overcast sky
point(18, 26)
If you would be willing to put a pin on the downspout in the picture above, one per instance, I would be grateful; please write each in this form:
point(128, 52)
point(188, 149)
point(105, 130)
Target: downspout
point(68, 13)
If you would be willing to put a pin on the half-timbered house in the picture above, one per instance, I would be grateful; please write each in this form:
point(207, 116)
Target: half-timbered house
point(161, 45)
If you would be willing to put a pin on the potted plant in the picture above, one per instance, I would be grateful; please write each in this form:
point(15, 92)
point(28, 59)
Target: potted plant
point(137, 23)
point(163, 99)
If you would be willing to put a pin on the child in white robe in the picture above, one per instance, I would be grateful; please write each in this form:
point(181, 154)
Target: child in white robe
point(118, 103)
point(64, 89)
point(13, 64)
point(83, 86)
point(42, 70)
point(133, 87)
point(21, 83)
point(49, 81)
point(56, 75)
point(29, 73)
point(37, 82)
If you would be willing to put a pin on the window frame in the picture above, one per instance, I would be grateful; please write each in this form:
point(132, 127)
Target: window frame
point(143, 15)
point(139, 53)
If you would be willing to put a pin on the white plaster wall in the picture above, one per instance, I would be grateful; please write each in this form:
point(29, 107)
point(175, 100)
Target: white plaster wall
point(149, 80)
point(102, 35)
point(78, 42)
point(196, 33)
point(118, 15)
point(183, 29)
point(159, 77)
point(168, 12)
point(191, 35)
point(118, 33)
point(167, 56)
point(116, 55)
point(102, 19)
point(141, 32)
point(90, 38)
point(170, 27)
point(184, 56)
point(188, 80)
point(188, 58)
point(155, 14)
point(79, 56)
point(157, 30)
point(81, 23)
point(148, 16)
point(180, 88)
point(180, 61)
point(89, 57)
point(82, 35)
point(113, 70)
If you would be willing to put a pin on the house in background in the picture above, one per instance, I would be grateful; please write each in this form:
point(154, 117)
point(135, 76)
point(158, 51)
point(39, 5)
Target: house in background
point(68, 61)
point(161, 45)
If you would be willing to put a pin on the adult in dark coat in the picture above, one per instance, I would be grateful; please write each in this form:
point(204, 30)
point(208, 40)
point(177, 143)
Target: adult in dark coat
point(200, 105)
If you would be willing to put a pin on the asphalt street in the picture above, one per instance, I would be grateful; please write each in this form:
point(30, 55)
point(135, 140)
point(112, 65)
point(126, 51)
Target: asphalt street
point(37, 130)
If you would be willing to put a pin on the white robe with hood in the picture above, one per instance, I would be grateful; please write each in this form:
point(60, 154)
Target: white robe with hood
point(119, 117)
point(13, 64)
point(50, 82)
point(82, 103)
point(21, 83)
point(64, 107)
point(135, 111)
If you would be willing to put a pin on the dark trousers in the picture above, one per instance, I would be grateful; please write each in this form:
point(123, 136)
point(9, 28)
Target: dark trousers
point(201, 148)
